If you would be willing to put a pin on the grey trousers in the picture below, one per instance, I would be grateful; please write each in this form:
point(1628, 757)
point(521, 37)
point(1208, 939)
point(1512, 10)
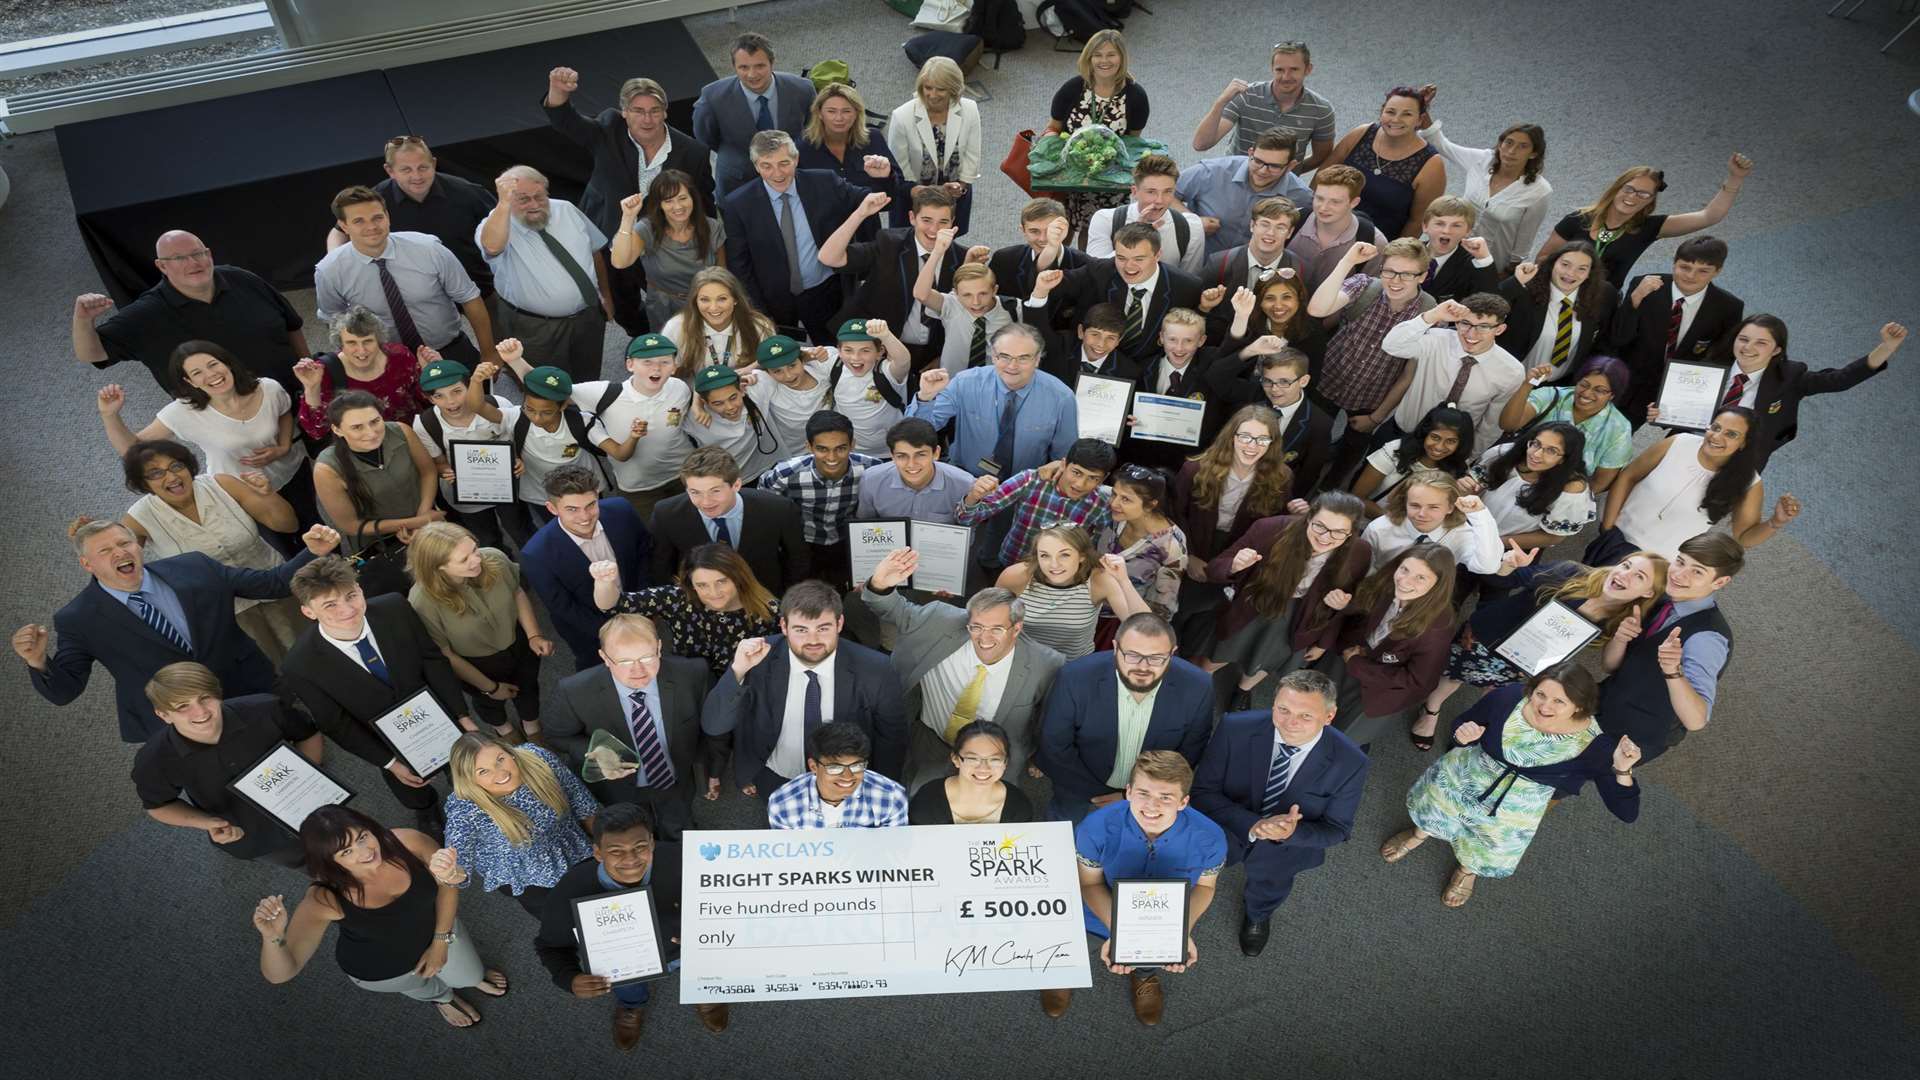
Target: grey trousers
point(574, 343)
point(463, 969)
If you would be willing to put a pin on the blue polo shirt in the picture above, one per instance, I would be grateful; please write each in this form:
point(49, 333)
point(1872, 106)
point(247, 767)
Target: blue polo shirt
point(1192, 848)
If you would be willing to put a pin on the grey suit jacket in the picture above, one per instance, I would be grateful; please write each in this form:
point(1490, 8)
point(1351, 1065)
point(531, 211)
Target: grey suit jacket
point(723, 120)
point(929, 633)
point(589, 701)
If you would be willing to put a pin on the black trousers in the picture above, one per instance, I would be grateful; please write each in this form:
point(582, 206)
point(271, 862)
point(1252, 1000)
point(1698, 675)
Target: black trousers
point(533, 900)
point(628, 288)
point(461, 349)
point(515, 664)
point(413, 798)
point(812, 310)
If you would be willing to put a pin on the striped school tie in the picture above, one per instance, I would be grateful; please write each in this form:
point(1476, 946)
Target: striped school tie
point(1673, 326)
point(977, 348)
point(155, 618)
point(1136, 316)
point(654, 763)
point(1563, 335)
point(1277, 776)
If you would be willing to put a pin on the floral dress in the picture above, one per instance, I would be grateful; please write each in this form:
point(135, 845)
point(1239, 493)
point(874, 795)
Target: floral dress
point(1486, 812)
point(695, 629)
point(1111, 111)
point(1155, 563)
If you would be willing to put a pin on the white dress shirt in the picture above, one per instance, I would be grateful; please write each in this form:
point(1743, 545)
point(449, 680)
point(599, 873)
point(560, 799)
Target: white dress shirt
point(789, 757)
point(1193, 260)
point(1689, 307)
point(1435, 353)
point(1475, 544)
point(1542, 352)
point(351, 646)
point(944, 684)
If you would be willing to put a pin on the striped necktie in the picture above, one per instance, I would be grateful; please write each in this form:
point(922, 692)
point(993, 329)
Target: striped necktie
point(1562, 335)
point(977, 349)
point(1736, 388)
point(397, 307)
point(654, 763)
point(1277, 775)
point(1136, 316)
point(1673, 326)
point(155, 618)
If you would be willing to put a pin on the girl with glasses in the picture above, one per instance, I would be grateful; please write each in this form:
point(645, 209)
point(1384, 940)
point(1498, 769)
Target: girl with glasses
point(977, 793)
point(1590, 405)
point(1622, 223)
point(1535, 486)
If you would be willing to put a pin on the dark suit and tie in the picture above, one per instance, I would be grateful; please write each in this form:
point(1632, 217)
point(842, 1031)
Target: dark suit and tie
point(1241, 780)
point(1458, 278)
point(771, 254)
point(1531, 317)
point(1080, 733)
point(1645, 336)
point(1098, 282)
point(886, 269)
point(770, 538)
point(865, 692)
point(591, 700)
point(556, 570)
point(97, 627)
point(726, 116)
point(1015, 267)
point(1157, 376)
point(346, 697)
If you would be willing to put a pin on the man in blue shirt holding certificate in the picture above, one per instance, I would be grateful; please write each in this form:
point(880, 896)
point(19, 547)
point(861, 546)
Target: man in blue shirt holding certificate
point(1152, 833)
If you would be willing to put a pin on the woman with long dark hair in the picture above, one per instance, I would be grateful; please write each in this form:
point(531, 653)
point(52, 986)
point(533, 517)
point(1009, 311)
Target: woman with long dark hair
point(1622, 224)
point(1685, 484)
point(1275, 307)
point(714, 603)
point(1154, 548)
point(375, 480)
point(1292, 576)
point(666, 232)
point(1503, 183)
point(397, 902)
point(1589, 404)
point(1443, 441)
point(1393, 641)
point(1536, 487)
point(1572, 281)
point(978, 792)
point(1241, 477)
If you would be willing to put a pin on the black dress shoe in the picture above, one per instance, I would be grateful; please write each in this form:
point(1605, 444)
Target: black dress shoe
point(1253, 935)
point(1241, 701)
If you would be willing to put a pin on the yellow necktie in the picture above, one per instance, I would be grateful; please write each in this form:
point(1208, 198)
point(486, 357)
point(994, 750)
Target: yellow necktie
point(968, 704)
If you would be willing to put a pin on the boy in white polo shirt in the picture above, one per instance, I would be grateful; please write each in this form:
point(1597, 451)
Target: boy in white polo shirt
point(650, 406)
point(858, 388)
point(462, 411)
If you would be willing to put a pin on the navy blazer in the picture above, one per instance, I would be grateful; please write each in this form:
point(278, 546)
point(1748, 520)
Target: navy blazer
point(1098, 282)
point(771, 538)
point(886, 269)
point(94, 627)
point(725, 122)
point(616, 161)
point(853, 169)
point(1231, 785)
point(1014, 271)
point(865, 692)
point(1079, 736)
point(556, 569)
point(755, 250)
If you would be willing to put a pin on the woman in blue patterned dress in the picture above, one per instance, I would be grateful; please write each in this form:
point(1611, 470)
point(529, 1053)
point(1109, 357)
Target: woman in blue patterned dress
point(518, 817)
point(1519, 749)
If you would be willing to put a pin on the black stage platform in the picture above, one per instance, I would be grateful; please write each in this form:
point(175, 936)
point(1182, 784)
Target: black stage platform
point(252, 175)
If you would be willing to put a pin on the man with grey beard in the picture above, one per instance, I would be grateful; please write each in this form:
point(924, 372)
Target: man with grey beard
point(549, 274)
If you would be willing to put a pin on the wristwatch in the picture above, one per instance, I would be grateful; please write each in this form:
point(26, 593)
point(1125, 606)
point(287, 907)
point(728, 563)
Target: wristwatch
point(1623, 772)
point(446, 938)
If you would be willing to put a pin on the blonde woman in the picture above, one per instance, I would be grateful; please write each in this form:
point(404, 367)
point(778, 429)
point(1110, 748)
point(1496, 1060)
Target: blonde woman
point(1103, 92)
point(936, 137)
point(1063, 584)
point(518, 817)
point(1622, 223)
point(730, 331)
point(838, 140)
point(476, 610)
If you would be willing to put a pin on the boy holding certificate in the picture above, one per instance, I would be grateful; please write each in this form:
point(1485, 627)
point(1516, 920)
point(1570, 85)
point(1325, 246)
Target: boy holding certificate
point(462, 411)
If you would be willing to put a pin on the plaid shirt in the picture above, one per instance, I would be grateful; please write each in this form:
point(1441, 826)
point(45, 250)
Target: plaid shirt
point(878, 803)
point(1037, 504)
point(1357, 372)
point(825, 505)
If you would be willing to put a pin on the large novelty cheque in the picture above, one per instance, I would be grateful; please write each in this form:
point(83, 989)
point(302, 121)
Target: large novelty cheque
point(927, 909)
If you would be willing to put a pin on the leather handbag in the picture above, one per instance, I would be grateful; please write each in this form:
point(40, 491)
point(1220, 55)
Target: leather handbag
point(1015, 165)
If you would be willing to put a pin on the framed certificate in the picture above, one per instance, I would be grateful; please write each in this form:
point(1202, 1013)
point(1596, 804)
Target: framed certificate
point(289, 787)
point(1149, 921)
point(1553, 634)
point(482, 471)
point(1161, 418)
point(420, 732)
point(619, 936)
point(870, 542)
point(1103, 407)
point(943, 551)
point(1689, 394)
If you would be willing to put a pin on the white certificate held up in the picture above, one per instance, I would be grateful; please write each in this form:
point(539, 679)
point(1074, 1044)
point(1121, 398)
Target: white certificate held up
point(1553, 634)
point(925, 909)
point(870, 542)
point(619, 936)
point(289, 787)
point(1162, 418)
point(1103, 407)
point(1149, 921)
point(943, 557)
point(1689, 394)
point(482, 471)
point(420, 731)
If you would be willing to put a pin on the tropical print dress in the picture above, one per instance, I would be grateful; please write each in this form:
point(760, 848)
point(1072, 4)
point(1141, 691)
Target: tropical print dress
point(1488, 812)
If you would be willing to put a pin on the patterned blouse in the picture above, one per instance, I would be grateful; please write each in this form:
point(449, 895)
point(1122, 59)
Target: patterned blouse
point(397, 388)
point(1609, 434)
point(696, 629)
point(558, 840)
point(1155, 563)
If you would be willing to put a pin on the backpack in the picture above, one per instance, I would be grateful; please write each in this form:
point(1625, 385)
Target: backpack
point(571, 416)
point(962, 49)
point(881, 385)
point(429, 418)
point(826, 73)
point(1077, 19)
point(1182, 232)
point(998, 24)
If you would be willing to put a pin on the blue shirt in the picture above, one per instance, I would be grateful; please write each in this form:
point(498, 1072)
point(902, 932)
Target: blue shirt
point(883, 495)
point(771, 93)
point(558, 840)
point(431, 280)
point(163, 598)
point(733, 517)
point(1702, 655)
point(1218, 187)
point(1047, 424)
point(811, 272)
point(1193, 847)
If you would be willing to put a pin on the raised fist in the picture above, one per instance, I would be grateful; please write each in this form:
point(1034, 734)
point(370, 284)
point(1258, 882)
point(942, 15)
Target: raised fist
point(90, 306)
point(563, 81)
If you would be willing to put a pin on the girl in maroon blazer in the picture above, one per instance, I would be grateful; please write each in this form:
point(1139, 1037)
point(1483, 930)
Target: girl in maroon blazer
point(1393, 641)
point(1292, 576)
point(1241, 477)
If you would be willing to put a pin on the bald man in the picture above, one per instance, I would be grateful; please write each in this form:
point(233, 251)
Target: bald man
point(194, 300)
point(549, 273)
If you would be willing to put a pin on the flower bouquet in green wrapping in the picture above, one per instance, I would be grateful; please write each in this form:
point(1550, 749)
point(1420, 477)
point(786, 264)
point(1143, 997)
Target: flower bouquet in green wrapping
point(1095, 156)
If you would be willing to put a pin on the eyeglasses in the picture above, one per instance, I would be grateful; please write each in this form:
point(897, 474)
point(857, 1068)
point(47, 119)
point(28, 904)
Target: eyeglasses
point(1263, 163)
point(1015, 361)
point(973, 762)
point(1601, 388)
point(1245, 439)
point(1145, 798)
point(1539, 447)
point(982, 631)
point(154, 476)
point(1325, 533)
point(1278, 384)
point(1401, 275)
point(1289, 46)
point(1136, 472)
point(1155, 660)
point(1474, 329)
point(1634, 194)
point(187, 256)
point(855, 768)
point(633, 661)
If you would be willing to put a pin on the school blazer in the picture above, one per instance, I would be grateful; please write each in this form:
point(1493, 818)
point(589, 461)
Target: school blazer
point(1098, 282)
point(770, 538)
point(345, 698)
point(724, 121)
point(929, 633)
point(556, 570)
point(1230, 787)
point(94, 627)
point(886, 268)
point(1776, 407)
point(1080, 734)
point(589, 701)
point(1530, 318)
point(865, 692)
point(1341, 571)
point(1399, 671)
point(1014, 270)
point(1640, 333)
point(616, 161)
point(755, 249)
point(1459, 278)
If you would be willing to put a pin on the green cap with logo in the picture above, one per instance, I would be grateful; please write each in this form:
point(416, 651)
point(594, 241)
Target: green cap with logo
point(777, 352)
point(550, 383)
point(650, 345)
point(443, 373)
point(854, 330)
point(713, 377)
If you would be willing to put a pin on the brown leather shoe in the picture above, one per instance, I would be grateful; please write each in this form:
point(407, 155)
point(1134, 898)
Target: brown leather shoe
point(626, 1026)
point(1149, 1002)
point(1054, 1002)
point(713, 1017)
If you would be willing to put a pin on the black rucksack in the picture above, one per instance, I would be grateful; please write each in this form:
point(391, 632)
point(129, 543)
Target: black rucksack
point(962, 49)
point(1080, 19)
point(997, 23)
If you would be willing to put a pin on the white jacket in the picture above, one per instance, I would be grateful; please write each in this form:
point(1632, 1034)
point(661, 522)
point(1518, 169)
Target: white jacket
point(909, 131)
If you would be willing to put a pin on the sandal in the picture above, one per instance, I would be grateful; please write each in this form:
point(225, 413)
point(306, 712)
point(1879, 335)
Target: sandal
point(1459, 888)
point(1424, 743)
point(1400, 843)
point(493, 983)
point(455, 1011)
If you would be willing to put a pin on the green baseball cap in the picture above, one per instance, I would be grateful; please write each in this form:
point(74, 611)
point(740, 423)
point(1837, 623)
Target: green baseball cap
point(777, 352)
point(713, 377)
point(651, 345)
point(550, 383)
point(854, 330)
point(443, 373)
